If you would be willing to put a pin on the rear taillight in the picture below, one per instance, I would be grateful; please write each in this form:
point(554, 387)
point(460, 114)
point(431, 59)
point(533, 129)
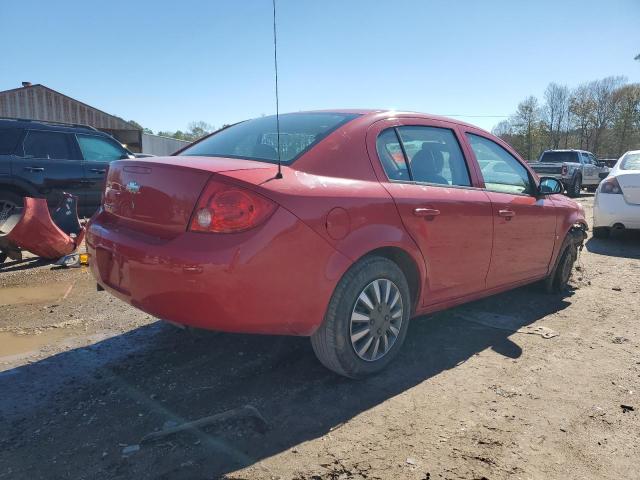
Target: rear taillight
point(226, 208)
point(565, 170)
point(610, 185)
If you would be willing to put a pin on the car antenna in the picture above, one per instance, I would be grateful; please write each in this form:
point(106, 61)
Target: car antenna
point(275, 63)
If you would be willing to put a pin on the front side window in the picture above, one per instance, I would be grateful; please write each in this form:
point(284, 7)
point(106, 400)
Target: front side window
point(51, 145)
point(502, 172)
point(99, 149)
point(257, 139)
point(434, 155)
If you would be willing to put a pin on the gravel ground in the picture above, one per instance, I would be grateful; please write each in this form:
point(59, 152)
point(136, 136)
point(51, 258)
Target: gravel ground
point(477, 393)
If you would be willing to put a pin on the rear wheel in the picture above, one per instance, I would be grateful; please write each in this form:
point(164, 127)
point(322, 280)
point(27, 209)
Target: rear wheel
point(367, 319)
point(9, 201)
point(575, 187)
point(601, 232)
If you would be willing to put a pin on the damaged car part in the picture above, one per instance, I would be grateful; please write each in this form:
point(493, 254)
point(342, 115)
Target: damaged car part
point(33, 228)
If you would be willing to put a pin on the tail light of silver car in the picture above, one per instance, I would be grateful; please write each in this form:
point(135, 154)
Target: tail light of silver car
point(226, 208)
point(610, 185)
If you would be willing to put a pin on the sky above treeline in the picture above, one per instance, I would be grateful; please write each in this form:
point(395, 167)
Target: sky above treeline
point(165, 65)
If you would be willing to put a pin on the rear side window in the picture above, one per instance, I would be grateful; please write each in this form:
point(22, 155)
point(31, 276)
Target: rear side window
point(501, 171)
point(631, 161)
point(99, 149)
point(391, 156)
point(52, 145)
point(257, 139)
point(434, 155)
point(9, 140)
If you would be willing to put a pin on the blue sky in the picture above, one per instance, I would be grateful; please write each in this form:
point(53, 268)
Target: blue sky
point(166, 64)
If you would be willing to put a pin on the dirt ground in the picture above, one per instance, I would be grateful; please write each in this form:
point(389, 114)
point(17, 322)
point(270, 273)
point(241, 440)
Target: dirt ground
point(475, 394)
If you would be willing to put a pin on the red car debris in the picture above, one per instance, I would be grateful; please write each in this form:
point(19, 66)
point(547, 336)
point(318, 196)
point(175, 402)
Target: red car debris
point(379, 217)
point(32, 228)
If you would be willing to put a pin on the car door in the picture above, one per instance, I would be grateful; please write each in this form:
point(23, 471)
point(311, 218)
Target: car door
point(524, 224)
point(49, 161)
point(597, 169)
point(449, 218)
point(588, 170)
point(97, 152)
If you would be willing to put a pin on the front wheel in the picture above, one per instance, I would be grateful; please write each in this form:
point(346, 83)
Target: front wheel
point(558, 280)
point(367, 319)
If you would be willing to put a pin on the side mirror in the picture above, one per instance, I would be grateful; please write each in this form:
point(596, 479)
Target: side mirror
point(603, 175)
point(549, 185)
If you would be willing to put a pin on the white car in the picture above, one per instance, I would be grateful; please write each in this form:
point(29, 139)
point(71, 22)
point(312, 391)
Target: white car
point(617, 200)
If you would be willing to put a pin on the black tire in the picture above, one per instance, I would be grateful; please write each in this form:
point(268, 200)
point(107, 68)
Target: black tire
point(558, 280)
point(575, 188)
point(332, 342)
point(601, 232)
point(8, 202)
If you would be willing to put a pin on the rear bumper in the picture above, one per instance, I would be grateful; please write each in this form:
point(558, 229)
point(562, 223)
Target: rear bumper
point(275, 279)
point(609, 210)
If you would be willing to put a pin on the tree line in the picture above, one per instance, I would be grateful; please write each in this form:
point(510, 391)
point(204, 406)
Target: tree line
point(195, 130)
point(601, 116)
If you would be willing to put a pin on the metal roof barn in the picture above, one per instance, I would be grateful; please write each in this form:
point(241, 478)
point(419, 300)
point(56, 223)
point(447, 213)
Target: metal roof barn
point(38, 102)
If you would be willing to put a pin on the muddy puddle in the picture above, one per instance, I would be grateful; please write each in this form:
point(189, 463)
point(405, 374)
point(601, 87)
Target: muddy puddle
point(48, 293)
point(12, 345)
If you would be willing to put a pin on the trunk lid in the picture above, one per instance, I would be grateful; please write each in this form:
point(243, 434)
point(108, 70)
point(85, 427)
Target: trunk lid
point(630, 185)
point(157, 195)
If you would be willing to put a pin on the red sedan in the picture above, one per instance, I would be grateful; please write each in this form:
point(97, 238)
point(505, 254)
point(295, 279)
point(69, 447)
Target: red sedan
point(378, 217)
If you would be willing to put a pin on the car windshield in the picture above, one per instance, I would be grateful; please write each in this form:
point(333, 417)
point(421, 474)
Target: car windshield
point(559, 157)
point(257, 139)
point(631, 161)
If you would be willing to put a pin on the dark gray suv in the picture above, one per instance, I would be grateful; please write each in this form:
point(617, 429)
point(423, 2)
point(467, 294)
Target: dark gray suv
point(44, 159)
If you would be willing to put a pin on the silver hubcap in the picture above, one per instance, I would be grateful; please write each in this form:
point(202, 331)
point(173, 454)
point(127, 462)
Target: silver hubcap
point(6, 209)
point(376, 320)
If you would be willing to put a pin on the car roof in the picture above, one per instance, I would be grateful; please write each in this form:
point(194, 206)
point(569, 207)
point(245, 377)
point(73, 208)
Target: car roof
point(567, 150)
point(388, 113)
point(53, 126)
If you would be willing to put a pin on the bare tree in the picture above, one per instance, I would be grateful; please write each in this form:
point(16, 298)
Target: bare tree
point(555, 111)
point(581, 107)
point(605, 103)
point(527, 122)
point(627, 116)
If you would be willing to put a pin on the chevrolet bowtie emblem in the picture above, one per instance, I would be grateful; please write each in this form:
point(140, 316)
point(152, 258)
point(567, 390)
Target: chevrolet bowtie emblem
point(133, 187)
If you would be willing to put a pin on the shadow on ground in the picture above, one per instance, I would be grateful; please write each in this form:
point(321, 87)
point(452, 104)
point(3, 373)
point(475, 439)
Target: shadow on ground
point(24, 264)
point(70, 415)
point(621, 243)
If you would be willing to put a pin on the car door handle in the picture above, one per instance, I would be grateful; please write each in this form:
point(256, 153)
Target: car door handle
point(97, 170)
point(425, 212)
point(34, 169)
point(508, 214)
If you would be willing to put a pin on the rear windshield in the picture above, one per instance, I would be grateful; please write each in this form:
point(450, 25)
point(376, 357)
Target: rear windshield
point(559, 157)
point(631, 161)
point(257, 139)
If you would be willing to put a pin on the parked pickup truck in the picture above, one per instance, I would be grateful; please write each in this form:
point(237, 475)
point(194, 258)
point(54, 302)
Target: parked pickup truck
point(576, 169)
